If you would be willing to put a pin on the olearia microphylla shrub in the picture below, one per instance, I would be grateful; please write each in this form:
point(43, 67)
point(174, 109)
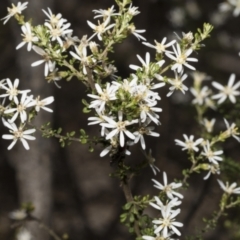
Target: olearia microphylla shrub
point(125, 109)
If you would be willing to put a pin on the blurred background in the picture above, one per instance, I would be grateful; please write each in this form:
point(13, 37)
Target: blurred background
point(70, 187)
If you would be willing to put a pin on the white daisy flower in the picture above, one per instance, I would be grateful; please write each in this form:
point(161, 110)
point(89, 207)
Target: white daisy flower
point(15, 10)
point(82, 57)
point(28, 37)
point(229, 189)
point(49, 65)
point(189, 144)
point(12, 90)
point(58, 31)
point(145, 64)
point(208, 124)
point(212, 156)
point(232, 130)
point(181, 58)
point(177, 83)
point(105, 13)
point(213, 169)
point(229, 91)
point(20, 109)
point(160, 47)
point(136, 32)
point(127, 85)
point(100, 28)
point(53, 19)
point(159, 204)
point(104, 95)
point(133, 11)
point(200, 95)
point(40, 104)
point(18, 134)
point(167, 222)
point(168, 188)
point(149, 111)
point(119, 128)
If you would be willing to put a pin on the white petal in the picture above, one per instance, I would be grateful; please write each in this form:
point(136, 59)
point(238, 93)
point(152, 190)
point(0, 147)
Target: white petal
point(25, 144)
point(20, 45)
point(7, 136)
point(37, 63)
point(12, 144)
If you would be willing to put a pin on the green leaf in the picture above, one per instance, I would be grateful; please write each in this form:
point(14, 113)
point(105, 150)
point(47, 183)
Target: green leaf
point(127, 206)
point(86, 110)
point(82, 132)
point(131, 218)
point(90, 149)
point(123, 217)
point(72, 133)
point(59, 130)
point(85, 102)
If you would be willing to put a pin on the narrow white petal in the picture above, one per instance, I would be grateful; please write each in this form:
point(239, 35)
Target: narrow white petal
point(25, 144)
point(7, 136)
point(37, 63)
point(20, 45)
point(12, 144)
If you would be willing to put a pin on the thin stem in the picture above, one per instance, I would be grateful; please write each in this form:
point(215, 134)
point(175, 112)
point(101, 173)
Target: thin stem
point(90, 80)
point(129, 198)
point(191, 170)
point(74, 70)
point(213, 220)
point(104, 53)
point(56, 135)
point(46, 228)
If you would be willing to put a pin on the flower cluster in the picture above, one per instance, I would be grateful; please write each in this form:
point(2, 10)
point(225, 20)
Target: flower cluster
point(207, 152)
point(128, 106)
point(166, 225)
point(179, 57)
point(124, 108)
point(17, 106)
point(49, 40)
point(204, 98)
point(213, 158)
point(203, 95)
point(124, 111)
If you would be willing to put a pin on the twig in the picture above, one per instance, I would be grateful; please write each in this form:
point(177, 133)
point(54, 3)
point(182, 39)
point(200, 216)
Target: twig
point(129, 197)
point(90, 80)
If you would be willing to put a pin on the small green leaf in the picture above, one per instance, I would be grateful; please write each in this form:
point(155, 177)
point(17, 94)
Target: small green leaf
point(82, 132)
point(72, 133)
point(90, 149)
point(59, 130)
